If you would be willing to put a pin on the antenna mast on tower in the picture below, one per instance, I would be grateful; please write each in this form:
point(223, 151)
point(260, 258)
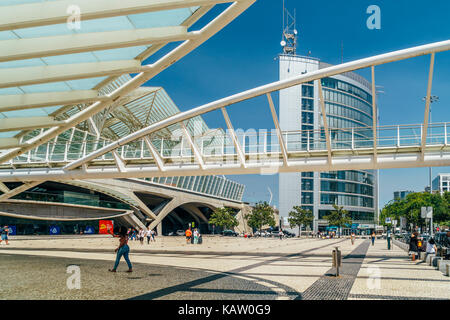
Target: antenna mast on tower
point(290, 33)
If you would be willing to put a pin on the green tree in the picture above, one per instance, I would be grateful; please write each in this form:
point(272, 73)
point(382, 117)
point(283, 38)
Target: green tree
point(262, 214)
point(299, 217)
point(410, 208)
point(338, 217)
point(224, 218)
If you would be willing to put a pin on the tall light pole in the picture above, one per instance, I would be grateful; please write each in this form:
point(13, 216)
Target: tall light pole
point(432, 99)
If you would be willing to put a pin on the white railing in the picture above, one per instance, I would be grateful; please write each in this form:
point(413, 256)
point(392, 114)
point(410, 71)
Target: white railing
point(252, 143)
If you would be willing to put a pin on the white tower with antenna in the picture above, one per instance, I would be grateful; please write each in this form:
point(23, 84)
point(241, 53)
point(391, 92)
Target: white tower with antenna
point(290, 33)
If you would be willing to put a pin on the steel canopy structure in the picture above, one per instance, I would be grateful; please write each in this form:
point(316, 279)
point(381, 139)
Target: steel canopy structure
point(370, 147)
point(47, 62)
point(75, 79)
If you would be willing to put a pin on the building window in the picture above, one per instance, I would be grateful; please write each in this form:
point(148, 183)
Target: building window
point(307, 91)
point(307, 104)
point(307, 197)
point(308, 118)
point(307, 184)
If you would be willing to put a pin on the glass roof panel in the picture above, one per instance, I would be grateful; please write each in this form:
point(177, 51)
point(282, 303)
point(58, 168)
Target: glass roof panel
point(46, 87)
point(136, 21)
point(25, 113)
point(22, 63)
point(13, 90)
point(8, 134)
point(161, 18)
point(84, 84)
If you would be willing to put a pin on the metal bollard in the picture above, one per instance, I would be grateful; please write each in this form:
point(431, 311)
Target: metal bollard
point(337, 260)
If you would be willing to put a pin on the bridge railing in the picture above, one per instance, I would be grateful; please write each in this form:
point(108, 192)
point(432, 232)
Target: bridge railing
point(264, 142)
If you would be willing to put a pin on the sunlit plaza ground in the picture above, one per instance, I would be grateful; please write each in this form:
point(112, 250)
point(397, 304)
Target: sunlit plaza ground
point(219, 269)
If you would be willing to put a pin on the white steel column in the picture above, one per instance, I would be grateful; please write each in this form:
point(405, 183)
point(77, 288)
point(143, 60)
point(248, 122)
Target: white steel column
point(427, 106)
point(156, 156)
point(239, 151)
point(194, 148)
point(278, 130)
point(119, 162)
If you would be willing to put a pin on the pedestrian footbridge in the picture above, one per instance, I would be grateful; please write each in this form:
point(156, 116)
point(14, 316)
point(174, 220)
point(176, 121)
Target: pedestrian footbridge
point(151, 152)
point(252, 152)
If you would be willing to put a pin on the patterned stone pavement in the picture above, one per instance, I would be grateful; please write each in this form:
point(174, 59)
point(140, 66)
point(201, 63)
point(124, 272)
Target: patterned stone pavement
point(330, 287)
point(221, 268)
point(391, 275)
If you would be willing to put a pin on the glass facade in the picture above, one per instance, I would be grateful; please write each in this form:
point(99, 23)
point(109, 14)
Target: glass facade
point(400, 195)
point(441, 183)
point(217, 186)
point(347, 106)
point(347, 101)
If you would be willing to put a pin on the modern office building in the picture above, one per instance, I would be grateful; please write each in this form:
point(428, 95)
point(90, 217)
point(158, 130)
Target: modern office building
point(441, 183)
point(400, 195)
point(348, 104)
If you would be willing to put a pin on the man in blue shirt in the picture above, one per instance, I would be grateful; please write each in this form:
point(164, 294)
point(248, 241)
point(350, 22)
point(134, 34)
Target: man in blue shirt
point(4, 234)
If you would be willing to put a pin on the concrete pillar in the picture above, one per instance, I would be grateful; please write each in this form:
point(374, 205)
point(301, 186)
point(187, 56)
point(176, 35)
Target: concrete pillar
point(443, 266)
point(159, 229)
point(422, 255)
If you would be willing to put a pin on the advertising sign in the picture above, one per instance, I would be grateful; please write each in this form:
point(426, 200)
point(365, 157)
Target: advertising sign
point(89, 230)
point(105, 227)
point(12, 230)
point(403, 222)
point(55, 230)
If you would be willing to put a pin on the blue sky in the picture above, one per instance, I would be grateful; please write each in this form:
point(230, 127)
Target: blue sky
point(243, 56)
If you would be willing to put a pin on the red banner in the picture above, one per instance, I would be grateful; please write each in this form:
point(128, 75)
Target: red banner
point(106, 227)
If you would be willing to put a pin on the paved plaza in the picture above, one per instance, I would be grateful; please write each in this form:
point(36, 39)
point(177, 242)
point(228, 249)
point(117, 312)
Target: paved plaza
point(221, 268)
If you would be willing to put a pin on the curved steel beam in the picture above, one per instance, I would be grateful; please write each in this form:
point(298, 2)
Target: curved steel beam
point(274, 86)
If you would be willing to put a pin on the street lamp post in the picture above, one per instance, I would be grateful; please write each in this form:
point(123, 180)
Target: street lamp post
point(432, 99)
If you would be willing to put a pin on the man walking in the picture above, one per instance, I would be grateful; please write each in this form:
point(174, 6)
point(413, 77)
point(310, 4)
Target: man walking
point(4, 234)
point(388, 238)
point(149, 236)
point(373, 238)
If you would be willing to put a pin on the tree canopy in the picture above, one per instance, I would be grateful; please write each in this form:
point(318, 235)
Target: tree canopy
point(298, 217)
point(224, 218)
point(410, 208)
point(338, 217)
point(262, 214)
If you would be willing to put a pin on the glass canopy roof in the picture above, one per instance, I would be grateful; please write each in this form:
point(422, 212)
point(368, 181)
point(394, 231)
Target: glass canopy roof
point(130, 22)
point(63, 62)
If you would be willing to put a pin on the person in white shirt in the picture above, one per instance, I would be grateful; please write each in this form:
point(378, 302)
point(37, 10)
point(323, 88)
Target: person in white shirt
point(149, 236)
point(431, 247)
point(196, 236)
point(141, 235)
